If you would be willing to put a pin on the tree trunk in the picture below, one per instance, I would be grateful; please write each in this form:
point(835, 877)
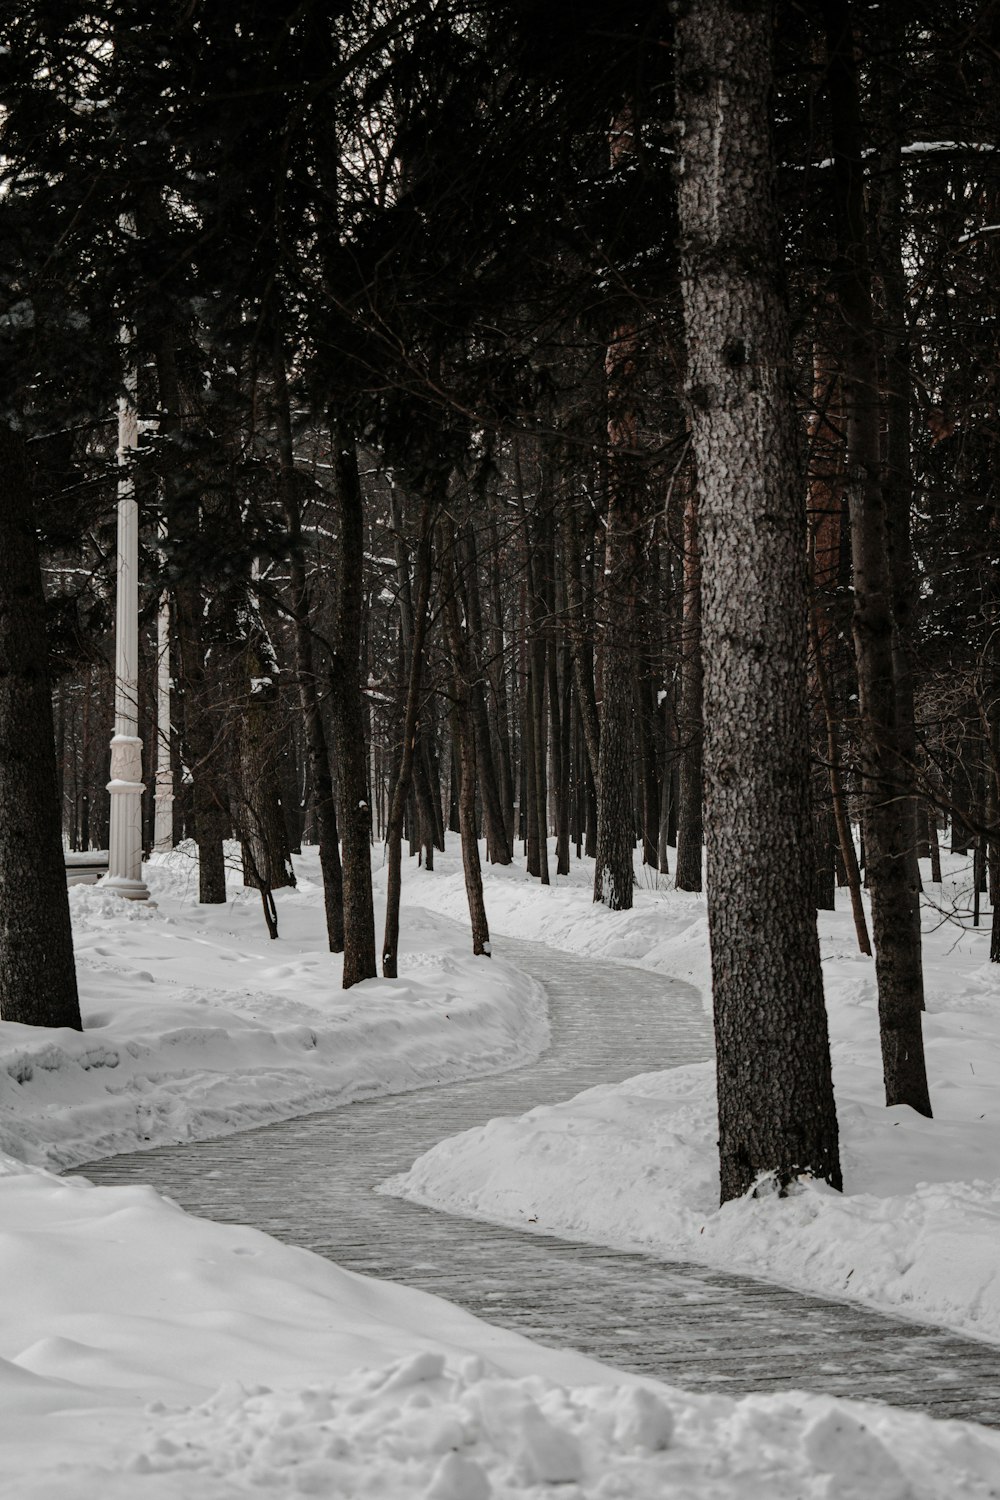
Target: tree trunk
point(690, 829)
point(323, 804)
point(889, 835)
point(401, 790)
point(935, 843)
point(499, 848)
point(897, 482)
point(463, 734)
point(579, 625)
point(561, 696)
point(776, 1106)
point(202, 738)
point(37, 968)
point(848, 853)
point(267, 864)
point(614, 876)
point(350, 745)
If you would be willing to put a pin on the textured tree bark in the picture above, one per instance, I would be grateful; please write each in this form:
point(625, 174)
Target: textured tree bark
point(848, 853)
point(498, 686)
point(267, 864)
point(826, 525)
point(647, 768)
point(614, 875)
point(889, 834)
point(561, 698)
point(538, 729)
point(429, 802)
point(464, 746)
point(200, 715)
point(529, 800)
point(961, 786)
point(935, 843)
point(897, 482)
point(776, 1107)
point(536, 649)
point(467, 669)
point(350, 745)
point(37, 968)
point(580, 626)
point(324, 803)
point(499, 848)
point(401, 790)
point(465, 738)
point(690, 823)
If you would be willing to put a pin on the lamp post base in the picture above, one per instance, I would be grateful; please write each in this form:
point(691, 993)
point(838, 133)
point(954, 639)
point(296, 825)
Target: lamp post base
point(132, 890)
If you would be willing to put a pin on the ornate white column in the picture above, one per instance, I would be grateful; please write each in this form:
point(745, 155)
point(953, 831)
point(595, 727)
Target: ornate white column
point(163, 836)
point(126, 787)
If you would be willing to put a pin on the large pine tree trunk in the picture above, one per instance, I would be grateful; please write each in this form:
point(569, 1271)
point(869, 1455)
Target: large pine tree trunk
point(37, 969)
point(776, 1107)
point(888, 809)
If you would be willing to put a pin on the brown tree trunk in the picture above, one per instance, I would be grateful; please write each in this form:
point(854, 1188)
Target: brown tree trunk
point(776, 1107)
point(848, 853)
point(935, 843)
point(464, 749)
point(690, 827)
point(561, 698)
point(897, 479)
point(498, 684)
point(499, 848)
point(579, 627)
point(202, 738)
point(401, 790)
point(889, 840)
point(323, 803)
point(614, 875)
point(826, 528)
point(350, 745)
point(37, 967)
point(261, 823)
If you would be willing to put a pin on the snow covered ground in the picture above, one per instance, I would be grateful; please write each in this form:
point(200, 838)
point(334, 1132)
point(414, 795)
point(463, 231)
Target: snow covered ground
point(196, 1024)
point(146, 1353)
point(633, 1165)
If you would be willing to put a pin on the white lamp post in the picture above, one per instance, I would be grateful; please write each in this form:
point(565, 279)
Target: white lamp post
point(125, 839)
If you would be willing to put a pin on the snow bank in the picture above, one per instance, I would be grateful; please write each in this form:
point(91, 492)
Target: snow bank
point(634, 1166)
point(196, 1024)
point(666, 930)
point(149, 1353)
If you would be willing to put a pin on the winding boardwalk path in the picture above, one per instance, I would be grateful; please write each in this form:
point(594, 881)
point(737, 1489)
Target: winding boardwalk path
point(309, 1181)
